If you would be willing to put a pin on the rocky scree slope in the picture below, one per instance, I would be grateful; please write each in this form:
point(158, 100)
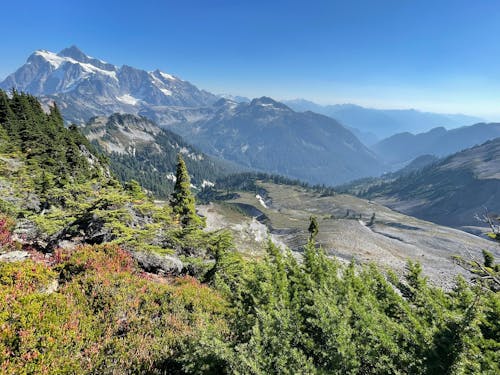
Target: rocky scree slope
point(350, 228)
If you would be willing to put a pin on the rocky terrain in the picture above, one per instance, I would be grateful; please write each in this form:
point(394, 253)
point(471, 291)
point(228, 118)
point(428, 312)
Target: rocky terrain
point(350, 228)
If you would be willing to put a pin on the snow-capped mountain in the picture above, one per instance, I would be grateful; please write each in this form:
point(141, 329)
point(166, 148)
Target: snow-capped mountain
point(84, 87)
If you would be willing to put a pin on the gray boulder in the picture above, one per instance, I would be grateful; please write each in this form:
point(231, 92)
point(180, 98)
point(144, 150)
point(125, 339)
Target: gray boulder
point(156, 263)
point(27, 232)
point(14, 256)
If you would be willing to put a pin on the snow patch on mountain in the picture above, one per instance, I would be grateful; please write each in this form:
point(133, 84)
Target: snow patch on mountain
point(57, 61)
point(207, 183)
point(261, 201)
point(168, 76)
point(128, 99)
point(84, 87)
point(51, 58)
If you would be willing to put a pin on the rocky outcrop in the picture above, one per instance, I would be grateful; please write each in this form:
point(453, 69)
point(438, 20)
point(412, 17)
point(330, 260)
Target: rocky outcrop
point(14, 256)
point(89, 228)
point(156, 263)
point(27, 233)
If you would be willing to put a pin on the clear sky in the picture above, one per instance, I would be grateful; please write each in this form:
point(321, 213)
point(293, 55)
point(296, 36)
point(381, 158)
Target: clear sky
point(441, 56)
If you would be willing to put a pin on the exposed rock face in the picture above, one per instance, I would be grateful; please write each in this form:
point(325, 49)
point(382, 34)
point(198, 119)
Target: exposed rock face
point(14, 256)
point(27, 233)
point(156, 263)
point(88, 229)
point(141, 150)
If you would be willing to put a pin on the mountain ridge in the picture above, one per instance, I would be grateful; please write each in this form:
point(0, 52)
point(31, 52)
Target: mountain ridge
point(382, 123)
point(269, 136)
point(140, 150)
point(403, 147)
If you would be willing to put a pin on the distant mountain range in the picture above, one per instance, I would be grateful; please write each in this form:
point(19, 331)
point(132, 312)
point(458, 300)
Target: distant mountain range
point(375, 124)
point(138, 149)
point(268, 135)
point(450, 191)
point(402, 148)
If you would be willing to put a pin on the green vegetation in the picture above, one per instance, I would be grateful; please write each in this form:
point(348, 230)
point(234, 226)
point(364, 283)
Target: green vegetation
point(106, 317)
point(182, 200)
point(89, 308)
point(323, 317)
point(152, 159)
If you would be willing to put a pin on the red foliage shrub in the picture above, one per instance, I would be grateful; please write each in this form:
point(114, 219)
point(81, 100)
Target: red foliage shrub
point(5, 232)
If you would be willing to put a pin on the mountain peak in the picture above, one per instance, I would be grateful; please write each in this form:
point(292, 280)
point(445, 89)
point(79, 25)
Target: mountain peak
point(75, 53)
point(266, 101)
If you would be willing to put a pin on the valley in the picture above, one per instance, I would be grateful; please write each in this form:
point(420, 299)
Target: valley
point(347, 230)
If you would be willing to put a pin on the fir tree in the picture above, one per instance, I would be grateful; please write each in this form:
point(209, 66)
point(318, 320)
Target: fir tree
point(182, 200)
point(313, 227)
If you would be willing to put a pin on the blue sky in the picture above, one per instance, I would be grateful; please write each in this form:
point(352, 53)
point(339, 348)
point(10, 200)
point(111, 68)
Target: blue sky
point(441, 56)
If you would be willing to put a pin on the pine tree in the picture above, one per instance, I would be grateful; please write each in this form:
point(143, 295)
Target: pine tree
point(182, 200)
point(313, 227)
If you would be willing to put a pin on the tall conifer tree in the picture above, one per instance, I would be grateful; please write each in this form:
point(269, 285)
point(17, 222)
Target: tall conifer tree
point(182, 200)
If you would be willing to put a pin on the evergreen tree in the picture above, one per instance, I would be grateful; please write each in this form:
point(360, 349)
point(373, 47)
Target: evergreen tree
point(313, 227)
point(182, 200)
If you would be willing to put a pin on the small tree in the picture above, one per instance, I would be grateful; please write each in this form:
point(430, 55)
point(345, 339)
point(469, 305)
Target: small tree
point(372, 220)
point(313, 227)
point(182, 200)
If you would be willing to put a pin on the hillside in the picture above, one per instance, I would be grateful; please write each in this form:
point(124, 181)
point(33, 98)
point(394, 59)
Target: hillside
point(267, 135)
point(347, 230)
point(138, 149)
point(450, 192)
